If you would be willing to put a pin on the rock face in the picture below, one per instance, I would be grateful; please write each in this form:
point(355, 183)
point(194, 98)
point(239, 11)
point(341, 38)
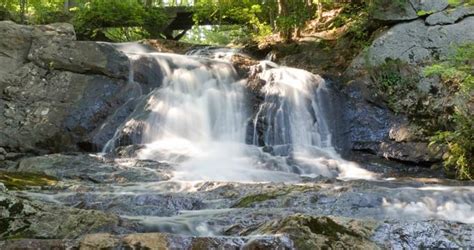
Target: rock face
point(450, 16)
point(374, 127)
point(392, 11)
point(95, 169)
point(55, 92)
point(22, 218)
point(415, 43)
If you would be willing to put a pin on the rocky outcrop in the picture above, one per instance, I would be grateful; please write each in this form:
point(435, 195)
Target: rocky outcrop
point(375, 127)
point(55, 92)
point(450, 16)
point(95, 169)
point(414, 43)
point(403, 10)
point(23, 218)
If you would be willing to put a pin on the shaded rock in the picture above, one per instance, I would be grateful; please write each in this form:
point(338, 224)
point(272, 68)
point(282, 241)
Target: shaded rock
point(55, 110)
point(3, 154)
point(450, 16)
point(405, 132)
point(370, 122)
point(416, 152)
point(95, 169)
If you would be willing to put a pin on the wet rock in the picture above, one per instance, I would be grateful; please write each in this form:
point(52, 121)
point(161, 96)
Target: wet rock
point(22, 218)
point(154, 241)
point(309, 232)
point(424, 234)
point(370, 122)
point(20, 181)
point(450, 16)
point(3, 154)
point(144, 204)
point(129, 151)
point(95, 169)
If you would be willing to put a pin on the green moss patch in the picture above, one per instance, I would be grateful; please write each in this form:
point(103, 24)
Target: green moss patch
point(249, 200)
point(21, 181)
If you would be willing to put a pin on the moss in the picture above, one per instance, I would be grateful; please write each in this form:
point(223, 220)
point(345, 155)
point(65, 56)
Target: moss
point(308, 232)
point(249, 200)
point(21, 181)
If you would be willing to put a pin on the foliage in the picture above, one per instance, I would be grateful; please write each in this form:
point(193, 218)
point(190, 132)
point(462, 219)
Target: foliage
point(394, 81)
point(126, 16)
point(458, 73)
point(261, 17)
point(217, 34)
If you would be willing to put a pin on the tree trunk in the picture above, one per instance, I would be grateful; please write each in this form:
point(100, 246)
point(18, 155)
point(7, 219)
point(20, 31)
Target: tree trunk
point(285, 32)
point(23, 9)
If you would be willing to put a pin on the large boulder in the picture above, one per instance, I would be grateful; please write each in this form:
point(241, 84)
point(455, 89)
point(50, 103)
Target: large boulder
point(375, 127)
point(414, 43)
point(56, 93)
point(80, 57)
point(55, 110)
point(404, 10)
point(16, 41)
point(450, 16)
point(23, 218)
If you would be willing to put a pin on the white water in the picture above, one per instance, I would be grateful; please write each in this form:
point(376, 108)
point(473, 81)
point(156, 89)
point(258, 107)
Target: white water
point(293, 115)
point(198, 119)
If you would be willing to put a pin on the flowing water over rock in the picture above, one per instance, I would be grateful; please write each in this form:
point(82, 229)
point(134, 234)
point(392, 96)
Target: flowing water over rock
point(200, 164)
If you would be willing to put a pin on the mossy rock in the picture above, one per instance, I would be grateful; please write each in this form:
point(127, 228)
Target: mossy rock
point(250, 200)
point(316, 232)
point(22, 180)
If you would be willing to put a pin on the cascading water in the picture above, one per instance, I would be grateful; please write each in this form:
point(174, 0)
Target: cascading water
point(198, 120)
point(292, 118)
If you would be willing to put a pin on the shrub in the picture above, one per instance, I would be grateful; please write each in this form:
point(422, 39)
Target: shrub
point(457, 73)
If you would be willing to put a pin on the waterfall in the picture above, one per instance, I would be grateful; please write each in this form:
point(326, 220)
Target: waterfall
point(198, 120)
point(293, 122)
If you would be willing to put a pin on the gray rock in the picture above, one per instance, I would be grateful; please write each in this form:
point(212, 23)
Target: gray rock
point(416, 152)
point(392, 11)
point(153, 241)
point(16, 41)
point(56, 110)
point(414, 43)
point(3, 154)
point(450, 16)
point(95, 169)
point(22, 218)
point(80, 57)
point(424, 234)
